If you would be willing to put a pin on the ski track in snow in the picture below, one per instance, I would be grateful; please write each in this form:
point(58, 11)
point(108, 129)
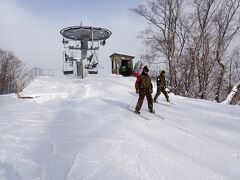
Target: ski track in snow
point(81, 129)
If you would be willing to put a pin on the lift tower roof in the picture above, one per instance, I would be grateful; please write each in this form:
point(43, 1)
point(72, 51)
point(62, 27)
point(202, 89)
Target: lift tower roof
point(86, 33)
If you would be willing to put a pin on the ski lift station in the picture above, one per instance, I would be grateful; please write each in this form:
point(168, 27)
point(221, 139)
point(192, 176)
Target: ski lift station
point(122, 64)
point(78, 41)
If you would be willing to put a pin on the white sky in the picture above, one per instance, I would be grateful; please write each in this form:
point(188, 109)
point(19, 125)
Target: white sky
point(35, 39)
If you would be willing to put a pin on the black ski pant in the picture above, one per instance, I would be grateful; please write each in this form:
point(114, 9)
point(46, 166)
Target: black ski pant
point(142, 94)
point(159, 90)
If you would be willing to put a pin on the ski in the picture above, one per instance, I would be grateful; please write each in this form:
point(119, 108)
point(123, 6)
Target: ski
point(165, 103)
point(156, 114)
point(159, 116)
point(139, 115)
point(171, 102)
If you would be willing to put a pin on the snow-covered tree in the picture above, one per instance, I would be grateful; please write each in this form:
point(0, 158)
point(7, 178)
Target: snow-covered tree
point(233, 93)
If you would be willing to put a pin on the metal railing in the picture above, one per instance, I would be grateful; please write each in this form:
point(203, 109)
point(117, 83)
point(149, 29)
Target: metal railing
point(34, 73)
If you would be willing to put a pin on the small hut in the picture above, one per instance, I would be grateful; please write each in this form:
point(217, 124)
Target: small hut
point(122, 64)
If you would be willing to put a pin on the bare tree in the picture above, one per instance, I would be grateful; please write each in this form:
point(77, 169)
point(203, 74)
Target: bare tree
point(227, 24)
point(215, 24)
point(163, 16)
point(195, 44)
point(11, 72)
point(200, 43)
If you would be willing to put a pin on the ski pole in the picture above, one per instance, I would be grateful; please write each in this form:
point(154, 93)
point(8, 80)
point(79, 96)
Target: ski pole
point(131, 101)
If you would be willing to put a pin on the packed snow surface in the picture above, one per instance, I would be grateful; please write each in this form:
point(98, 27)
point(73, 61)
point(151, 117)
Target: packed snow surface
point(81, 129)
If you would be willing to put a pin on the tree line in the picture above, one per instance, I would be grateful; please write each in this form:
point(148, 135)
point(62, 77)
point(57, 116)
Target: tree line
point(197, 42)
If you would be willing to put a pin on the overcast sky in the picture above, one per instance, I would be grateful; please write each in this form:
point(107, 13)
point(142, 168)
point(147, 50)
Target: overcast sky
point(31, 28)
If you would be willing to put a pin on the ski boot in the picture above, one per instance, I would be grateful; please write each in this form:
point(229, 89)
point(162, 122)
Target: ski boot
point(137, 112)
point(152, 111)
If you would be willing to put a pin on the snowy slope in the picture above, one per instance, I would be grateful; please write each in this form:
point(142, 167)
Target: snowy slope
point(81, 129)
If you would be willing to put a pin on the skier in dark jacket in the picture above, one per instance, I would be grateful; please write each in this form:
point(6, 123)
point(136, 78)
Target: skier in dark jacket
point(144, 87)
point(161, 86)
